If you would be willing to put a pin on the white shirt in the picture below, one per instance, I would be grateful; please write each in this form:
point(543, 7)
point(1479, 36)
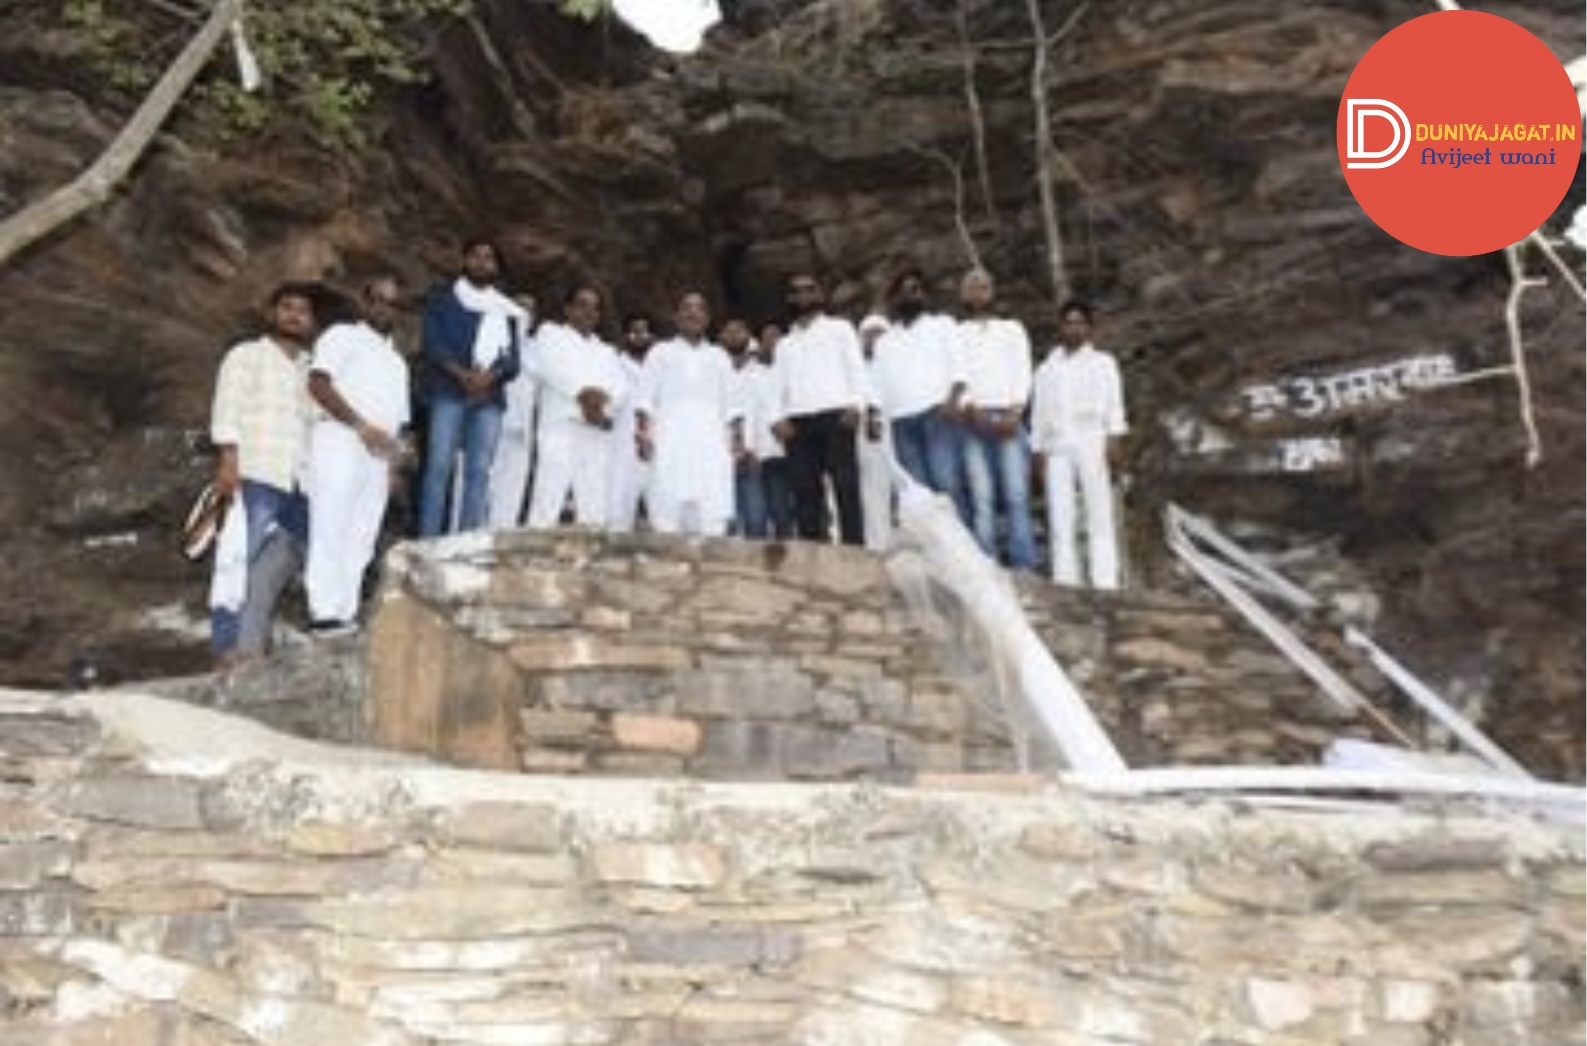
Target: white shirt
point(1079, 400)
point(523, 389)
point(820, 368)
point(916, 365)
point(368, 371)
point(262, 407)
point(995, 354)
point(679, 375)
point(756, 394)
point(567, 362)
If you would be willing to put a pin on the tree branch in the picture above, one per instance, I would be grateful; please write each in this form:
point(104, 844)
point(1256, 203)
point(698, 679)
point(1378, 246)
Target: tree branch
point(973, 255)
point(972, 101)
point(1520, 283)
point(94, 185)
point(1044, 148)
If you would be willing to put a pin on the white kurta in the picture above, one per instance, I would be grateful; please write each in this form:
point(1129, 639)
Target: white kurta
point(574, 455)
point(756, 396)
point(348, 486)
point(688, 392)
point(1078, 404)
point(509, 469)
point(630, 476)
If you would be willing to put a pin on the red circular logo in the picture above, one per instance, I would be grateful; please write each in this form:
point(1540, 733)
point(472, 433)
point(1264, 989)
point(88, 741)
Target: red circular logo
point(1459, 132)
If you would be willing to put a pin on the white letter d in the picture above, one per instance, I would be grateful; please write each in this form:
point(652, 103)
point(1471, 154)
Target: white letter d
point(1356, 112)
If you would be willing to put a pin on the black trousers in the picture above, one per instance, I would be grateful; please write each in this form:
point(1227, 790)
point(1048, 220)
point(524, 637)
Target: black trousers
point(823, 448)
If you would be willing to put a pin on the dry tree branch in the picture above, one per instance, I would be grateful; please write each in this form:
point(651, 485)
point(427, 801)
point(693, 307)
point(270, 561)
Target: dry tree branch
point(94, 185)
point(972, 102)
point(1041, 47)
point(1520, 283)
point(973, 255)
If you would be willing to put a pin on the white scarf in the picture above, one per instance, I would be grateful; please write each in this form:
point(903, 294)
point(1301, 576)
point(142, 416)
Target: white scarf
point(494, 336)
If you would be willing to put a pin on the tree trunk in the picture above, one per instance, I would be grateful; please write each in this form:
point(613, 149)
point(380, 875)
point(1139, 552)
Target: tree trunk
point(1044, 150)
point(91, 188)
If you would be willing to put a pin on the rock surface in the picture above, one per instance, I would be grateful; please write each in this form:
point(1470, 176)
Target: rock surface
point(173, 875)
point(1202, 208)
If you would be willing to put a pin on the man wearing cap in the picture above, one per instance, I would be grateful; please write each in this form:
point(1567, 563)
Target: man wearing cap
point(873, 448)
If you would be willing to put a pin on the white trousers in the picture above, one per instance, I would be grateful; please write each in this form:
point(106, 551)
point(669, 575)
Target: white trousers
point(1082, 469)
point(573, 457)
point(671, 516)
point(630, 482)
point(876, 488)
point(348, 488)
point(509, 477)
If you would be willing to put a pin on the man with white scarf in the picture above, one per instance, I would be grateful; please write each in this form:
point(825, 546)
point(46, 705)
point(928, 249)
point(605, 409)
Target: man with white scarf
point(1077, 419)
point(472, 346)
point(690, 426)
point(580, 383)
point(360, 382)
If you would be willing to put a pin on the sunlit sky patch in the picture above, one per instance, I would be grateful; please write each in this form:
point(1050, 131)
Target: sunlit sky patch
point(672, 25)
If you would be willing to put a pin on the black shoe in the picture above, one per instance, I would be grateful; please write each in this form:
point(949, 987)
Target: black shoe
point(328, 628)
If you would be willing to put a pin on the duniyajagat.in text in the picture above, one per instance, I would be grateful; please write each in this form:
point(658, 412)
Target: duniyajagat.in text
point(1496, 132)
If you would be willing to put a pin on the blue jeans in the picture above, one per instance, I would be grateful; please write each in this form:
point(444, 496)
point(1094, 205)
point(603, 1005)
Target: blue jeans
point(778, 489)
point(474, 429)
point(749, 501)
point(1001, 465)
point(930, 447)
point(268, 510)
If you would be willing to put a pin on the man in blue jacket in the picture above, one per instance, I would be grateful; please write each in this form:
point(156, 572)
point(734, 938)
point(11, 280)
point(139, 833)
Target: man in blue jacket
point(473, 337)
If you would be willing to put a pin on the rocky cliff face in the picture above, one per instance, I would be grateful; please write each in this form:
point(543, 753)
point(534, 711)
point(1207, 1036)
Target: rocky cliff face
point(1288, 364)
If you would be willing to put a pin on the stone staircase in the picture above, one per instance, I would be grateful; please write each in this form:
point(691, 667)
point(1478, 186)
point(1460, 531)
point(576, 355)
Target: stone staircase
point(637, 655)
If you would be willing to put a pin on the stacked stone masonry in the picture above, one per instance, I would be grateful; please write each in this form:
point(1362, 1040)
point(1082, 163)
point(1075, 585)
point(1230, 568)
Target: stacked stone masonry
point(170, 876)
point(637, 655)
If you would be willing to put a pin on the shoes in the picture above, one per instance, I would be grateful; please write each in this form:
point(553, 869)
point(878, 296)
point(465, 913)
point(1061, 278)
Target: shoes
point(327, 628)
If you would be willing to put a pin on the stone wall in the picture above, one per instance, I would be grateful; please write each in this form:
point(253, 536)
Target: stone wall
point(575, 653)
point(170, 875)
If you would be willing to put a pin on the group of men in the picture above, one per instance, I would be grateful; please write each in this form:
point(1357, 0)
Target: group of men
point(788, 430)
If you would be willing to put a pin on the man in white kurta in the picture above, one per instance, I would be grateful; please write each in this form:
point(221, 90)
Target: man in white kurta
point(1077, 419)
point(580, 381)
point(873, 449)
point(630, 475)
point(360, 382)
point(690, 421)
point(509, 469)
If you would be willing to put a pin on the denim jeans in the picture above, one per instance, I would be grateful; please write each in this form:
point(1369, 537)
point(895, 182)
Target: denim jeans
point(268, 510)
point(930, 447)
point(778, 489)
point(474, 429)
point(749, 501)
point(1001, 466)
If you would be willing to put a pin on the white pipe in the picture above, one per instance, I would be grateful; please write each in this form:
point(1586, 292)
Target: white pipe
point(988, 597)
point(1436, 706)
point(1555, 799)
point(1269, 578)
point(1300, 655)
